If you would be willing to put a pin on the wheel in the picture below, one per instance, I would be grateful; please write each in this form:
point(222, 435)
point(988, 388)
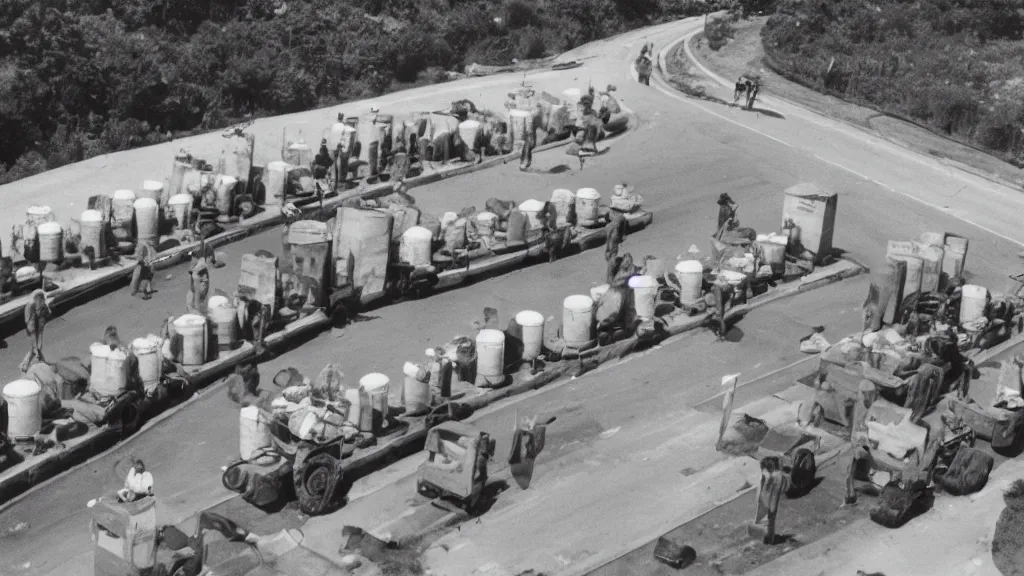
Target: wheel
point(235, 479)
point(315, 480)
point(803, 472)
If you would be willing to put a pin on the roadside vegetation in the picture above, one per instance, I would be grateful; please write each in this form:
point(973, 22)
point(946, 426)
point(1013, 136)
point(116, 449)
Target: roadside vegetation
point(953, 66)
point(79, 78)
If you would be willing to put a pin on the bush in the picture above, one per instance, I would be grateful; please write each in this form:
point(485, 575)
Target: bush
point(718, 33)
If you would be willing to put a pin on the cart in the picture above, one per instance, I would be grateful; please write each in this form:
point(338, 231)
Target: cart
point(456, 468)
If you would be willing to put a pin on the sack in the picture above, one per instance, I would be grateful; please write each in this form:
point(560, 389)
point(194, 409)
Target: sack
point(894, 505)
point(803, 472)
point(967, 473)
point(672, 554)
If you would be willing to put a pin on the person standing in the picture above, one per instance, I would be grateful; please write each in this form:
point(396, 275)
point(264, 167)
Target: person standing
point(37, 314)
point(199, 289)
point(526, 156)
point(726, 209)
point(143, 273)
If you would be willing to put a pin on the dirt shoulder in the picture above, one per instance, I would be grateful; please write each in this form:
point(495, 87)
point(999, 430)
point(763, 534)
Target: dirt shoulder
point(744, 54)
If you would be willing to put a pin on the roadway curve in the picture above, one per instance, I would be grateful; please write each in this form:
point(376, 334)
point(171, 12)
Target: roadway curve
point(681, 157)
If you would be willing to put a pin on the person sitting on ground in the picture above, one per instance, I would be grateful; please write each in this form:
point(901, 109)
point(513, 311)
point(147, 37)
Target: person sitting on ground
point(137, 485)
point(624, 200)
point(501, 209)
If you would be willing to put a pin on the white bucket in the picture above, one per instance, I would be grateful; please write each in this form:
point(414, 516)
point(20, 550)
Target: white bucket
point(181, 205)
point(36, 215)
point(92, 232)
point(147, 221)
point(577, 320)
point(117, 373)
point(587, 200)
point(122, 211)
point(277, 174)
point(151, 189)
point(532, 324)
point(645, 290)
point(773, 247)
point(253, 432)
point(415, 394)
point(192, 329)
point(51, 242)
point(147, 352)
point(972, 302)
point(377, 386)
point(24, 408)
point(485, 222)
point(360, 411)
point(563, 200)
point(415, 247)
point(690, 274)
point(597, 291)
point(225, 193)
point(98, 372)
point(299, 154)
point(225, 318)
point(26, 274)
point(490, 356)
point(469, 130)
point(531, 208)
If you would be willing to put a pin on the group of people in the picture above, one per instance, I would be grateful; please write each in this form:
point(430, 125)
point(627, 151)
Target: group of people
point(746, 86)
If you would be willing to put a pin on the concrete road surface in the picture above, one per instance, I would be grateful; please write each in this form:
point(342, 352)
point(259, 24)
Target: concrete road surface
point(683, 155)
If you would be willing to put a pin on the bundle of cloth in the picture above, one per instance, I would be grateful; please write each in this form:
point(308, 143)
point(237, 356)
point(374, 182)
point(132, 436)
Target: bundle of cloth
point(317, 411)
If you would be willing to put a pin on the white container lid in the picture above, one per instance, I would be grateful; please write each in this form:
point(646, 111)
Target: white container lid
point(152, 185)
point(26, 272)
point(92, 216)
point(520, 113)
point(762, 238)
point(189, 321)
point(411, 370)
point(489, 336)
point(418, 233)
point(99, 350)
point(300, 145)
point(974, 291)
point(643, 282)
point(218, 301)
point(562, 193)
point(50, 228)
point(531, 205)
point(39, 210)
point(530, 318)
point(486, 216)
point(145, 203)
point(226, 180)
point(180, 199)
point(588, 193)
point(578, 302)
point(689, 267)
point(22, 389)
point(250, 413)
point(278, 166)
point(144, 346)
point(374, 382)
point(124, 195)
point(469, 124)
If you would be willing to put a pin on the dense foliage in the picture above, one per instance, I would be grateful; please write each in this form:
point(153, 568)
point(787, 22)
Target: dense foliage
point(954, 65)
point(85, 77)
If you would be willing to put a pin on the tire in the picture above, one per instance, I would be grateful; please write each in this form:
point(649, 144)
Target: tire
point(804, 471)
point(315, 481)
point(236, 482)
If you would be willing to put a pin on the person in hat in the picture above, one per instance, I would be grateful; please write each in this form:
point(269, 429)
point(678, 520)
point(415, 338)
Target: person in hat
point(323, 162)
point(37, 314)
point(726, 209)
point(199, 288)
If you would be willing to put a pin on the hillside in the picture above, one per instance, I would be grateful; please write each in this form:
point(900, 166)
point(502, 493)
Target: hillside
point(954, 66)
point(86, 77)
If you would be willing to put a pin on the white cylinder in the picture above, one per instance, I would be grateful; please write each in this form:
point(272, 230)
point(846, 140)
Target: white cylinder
point(531, 208)
point(192, 329)
point(147, 221)
point(122, 207)
point(360, 411)
point(468, 131)
point(532, 324)
point(587, 200)
point(377, 386)
point(225, 193)
point(98, 371)
point(415, 246)
point(277, 173)
point(577, 320)
point(490, 355)
point(225, 318)
point(24, 408)
point(253, 432)
point(690, 274)
point(299, 154)
point(51, 242)
point(181, 205)
point(520, 125)
point(92, 232)
point(151, 189)
point(415, 394)
point(485, 223)
point(147, 353)
point(972, 302)
point(597, 291)
point(645, 290)
point(36, 215)
point(563, 200)
point(117, 373)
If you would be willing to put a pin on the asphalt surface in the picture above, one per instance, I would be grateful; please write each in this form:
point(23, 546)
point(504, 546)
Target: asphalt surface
point(682, 156)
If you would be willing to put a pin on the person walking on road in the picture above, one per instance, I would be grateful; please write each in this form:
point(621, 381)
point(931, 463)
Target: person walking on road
point(199, 289)
point(37, 314)
point(143, 273)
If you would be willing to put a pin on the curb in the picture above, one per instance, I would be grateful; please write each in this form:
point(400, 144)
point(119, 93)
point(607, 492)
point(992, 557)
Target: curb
point(271, 216)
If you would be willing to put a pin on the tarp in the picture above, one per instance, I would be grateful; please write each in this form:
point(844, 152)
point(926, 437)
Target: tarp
point(362, 244)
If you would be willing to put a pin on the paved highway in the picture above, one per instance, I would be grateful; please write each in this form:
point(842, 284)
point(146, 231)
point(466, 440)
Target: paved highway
point(683, 155)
